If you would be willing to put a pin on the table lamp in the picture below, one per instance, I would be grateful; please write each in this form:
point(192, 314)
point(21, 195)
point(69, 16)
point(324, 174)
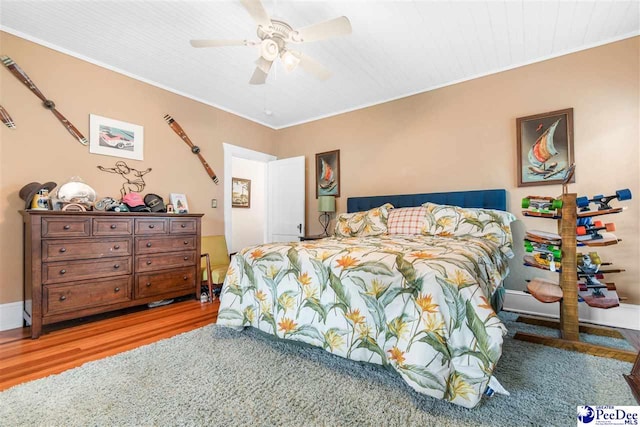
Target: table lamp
point(326, 205)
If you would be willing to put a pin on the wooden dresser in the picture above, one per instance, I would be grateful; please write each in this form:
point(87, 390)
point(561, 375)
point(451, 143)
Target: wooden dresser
point(82, 263)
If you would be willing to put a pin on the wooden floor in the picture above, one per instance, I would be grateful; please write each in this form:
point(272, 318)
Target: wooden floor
point(70, 344)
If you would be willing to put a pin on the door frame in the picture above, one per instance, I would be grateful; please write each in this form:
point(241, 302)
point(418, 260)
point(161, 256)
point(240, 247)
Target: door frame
point(231, 151)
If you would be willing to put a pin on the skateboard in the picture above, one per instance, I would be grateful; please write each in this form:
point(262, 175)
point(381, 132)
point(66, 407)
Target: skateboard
point(543, 237)
point(592, 291)
point(592, 231)
point(543, 262)
point(541, 206)
point(603, 201)
point(545, 290)
point(588, 233)
point(543, 248)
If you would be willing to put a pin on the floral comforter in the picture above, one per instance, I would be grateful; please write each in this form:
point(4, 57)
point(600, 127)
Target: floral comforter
point(418, 304)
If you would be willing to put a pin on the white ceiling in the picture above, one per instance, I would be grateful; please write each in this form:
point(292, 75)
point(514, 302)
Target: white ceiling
point(397, 48)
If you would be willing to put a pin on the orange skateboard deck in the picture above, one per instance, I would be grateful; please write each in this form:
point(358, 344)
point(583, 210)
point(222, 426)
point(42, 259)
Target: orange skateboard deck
point(545, 290)
point(606, 298)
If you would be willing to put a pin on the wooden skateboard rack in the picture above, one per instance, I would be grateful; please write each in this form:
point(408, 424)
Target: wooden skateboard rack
point(568, 324)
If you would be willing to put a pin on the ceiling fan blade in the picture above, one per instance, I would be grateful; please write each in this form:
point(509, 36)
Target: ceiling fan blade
point(264, 64)
point(257, 12)
point(312, 66)
point(324, 30)
point(259, 76)
point(219, 43)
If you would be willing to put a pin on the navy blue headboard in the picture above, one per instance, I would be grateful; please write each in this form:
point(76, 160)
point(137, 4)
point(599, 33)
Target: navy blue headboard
point(489, 199)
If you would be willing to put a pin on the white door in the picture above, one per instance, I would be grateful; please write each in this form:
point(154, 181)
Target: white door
point(286, 199)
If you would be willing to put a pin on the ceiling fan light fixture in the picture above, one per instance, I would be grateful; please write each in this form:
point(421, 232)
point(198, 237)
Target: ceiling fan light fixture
point(269, 49)
point(289, 60)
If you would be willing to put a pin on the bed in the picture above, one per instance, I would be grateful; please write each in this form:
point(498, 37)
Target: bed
point(408, 282)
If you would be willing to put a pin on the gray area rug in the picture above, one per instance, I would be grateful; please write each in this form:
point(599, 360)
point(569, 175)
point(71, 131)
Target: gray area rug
point(215, 376)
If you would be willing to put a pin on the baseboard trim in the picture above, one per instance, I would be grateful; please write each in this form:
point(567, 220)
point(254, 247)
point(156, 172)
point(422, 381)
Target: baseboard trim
point(11, 315)
point(625, 316)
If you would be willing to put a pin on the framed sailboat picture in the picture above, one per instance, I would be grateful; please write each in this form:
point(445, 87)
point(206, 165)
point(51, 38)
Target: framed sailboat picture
point(328, 173)
point(545, 148)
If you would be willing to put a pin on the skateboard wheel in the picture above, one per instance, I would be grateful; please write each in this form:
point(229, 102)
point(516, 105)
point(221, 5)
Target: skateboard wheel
point(598, 197)
point(582, 202)
point(624, 194)
point(525, 203)
point(581, 231)
point(556, 204)
point(595, 258)
point(557, 253)
point(528, 246)
point(597, 224)
point(610, 226)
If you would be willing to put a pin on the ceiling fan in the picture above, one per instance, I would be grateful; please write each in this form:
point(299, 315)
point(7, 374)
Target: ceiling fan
point(274, 36)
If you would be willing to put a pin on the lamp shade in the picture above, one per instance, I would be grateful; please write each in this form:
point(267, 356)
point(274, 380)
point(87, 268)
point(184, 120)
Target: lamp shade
point(326, 203)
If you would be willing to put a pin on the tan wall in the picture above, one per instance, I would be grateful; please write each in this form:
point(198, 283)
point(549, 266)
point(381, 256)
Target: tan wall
point(40, 149)
point(460, 137)
point(463, 137)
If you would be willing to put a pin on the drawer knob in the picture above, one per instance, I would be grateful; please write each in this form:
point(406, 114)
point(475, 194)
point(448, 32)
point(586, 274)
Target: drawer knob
point(149, 244)
point(148, 262)
point(63, 297)
point(151, 225)
point(66, 227)
point(148, 284)
point(116, 247)
point(113, 226)
point(186, 242)
point(185, 277)
point(186, 258)
point(116, 266)
point(116, 290)
point(63, 271)
point(183, 225)
point(63, 250)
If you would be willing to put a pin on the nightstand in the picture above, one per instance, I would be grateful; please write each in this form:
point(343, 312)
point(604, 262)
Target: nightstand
point(303, 238)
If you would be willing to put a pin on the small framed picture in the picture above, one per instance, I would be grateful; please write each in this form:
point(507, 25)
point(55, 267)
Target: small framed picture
point(328, 173)
point(179, 202)
point(240, 193)
point(115, 138)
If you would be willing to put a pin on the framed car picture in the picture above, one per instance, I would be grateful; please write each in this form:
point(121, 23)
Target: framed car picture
point(115, 138)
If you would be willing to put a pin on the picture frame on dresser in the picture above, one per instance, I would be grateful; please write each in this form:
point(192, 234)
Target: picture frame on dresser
point(179, 202)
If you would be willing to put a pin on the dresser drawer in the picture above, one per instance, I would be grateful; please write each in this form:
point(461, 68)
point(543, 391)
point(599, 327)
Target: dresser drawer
point(112, 226)
point(161, 261)
point(66, 271)
point(151, 226)
point(66, 227)
point(182, 225)
point(74, 249)
point(148, 245)
point(83, 295)
point(151, 284)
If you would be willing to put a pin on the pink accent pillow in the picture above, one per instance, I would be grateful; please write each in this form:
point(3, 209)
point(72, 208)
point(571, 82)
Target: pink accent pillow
point(407, 220)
